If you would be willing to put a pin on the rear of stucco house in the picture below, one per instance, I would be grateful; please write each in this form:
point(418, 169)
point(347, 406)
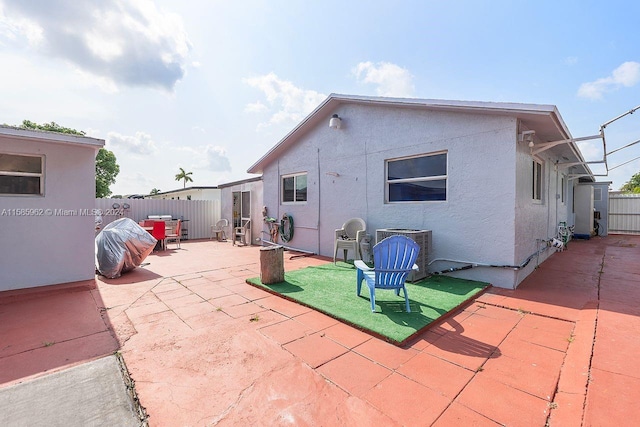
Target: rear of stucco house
point(47, 195)
point(464, 170)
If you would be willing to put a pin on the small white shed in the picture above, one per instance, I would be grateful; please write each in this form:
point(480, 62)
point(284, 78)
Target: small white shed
point(243, 201)
point(47, 202)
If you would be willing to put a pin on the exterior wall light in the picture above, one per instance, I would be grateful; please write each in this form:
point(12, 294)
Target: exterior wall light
point(527, 136)
point(335, 122)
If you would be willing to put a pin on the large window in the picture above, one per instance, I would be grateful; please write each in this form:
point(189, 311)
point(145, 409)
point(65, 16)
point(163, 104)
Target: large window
point(417, 179)
point(294, 188)
point(21, 174)
point(537, 181)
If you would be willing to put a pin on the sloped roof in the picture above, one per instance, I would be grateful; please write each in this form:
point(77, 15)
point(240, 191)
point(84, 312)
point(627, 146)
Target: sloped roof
point(544, 119)
point(52, 137)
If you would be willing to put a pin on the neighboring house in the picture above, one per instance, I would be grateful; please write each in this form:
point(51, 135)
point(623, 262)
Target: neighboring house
point(47, 201)
point(477, 174)
point(242, 201)
point(189, 193)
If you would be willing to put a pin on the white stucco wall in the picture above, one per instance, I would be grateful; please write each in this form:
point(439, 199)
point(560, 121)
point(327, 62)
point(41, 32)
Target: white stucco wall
point(539, 220)
point(477, 223)
point(584, 209)
point(47, 249)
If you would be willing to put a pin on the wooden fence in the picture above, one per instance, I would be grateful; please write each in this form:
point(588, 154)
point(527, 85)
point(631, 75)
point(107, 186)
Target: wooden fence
point(197, 215)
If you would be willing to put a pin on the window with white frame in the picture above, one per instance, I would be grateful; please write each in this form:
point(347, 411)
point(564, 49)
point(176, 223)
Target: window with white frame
point(417, 179)
point(21, 174)
point(294, 188)
point(537, 180)
point(597, 194)
point(563, 189)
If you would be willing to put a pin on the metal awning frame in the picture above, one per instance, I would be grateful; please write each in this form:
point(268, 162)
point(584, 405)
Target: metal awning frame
point(540, 147)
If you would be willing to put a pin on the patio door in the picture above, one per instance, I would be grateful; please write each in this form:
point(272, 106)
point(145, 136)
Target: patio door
point(241, 207)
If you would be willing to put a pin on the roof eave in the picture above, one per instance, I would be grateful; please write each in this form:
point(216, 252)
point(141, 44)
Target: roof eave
point(51, 137)
point(442, 105)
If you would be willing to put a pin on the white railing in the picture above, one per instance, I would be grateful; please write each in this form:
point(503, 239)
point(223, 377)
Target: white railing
point(624, 213)
point(197, 215)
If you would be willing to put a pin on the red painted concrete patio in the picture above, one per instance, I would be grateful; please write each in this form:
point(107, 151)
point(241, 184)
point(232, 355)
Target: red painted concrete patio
point(205, 348)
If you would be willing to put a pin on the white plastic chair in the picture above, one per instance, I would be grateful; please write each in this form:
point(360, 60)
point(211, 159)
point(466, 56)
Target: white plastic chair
point(349, 237)
point(218, 230)
point(174, 234)
point(242, 233)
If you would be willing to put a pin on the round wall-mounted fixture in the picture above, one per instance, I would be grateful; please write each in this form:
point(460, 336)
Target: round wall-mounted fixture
point(116, 206)
point(335, 122)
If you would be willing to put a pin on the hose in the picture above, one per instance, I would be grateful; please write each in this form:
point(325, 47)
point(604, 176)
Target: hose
point(289, 248)
point(286, 233)
point(471, 264)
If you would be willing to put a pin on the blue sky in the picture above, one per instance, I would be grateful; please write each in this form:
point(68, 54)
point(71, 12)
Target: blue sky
point(210, 86)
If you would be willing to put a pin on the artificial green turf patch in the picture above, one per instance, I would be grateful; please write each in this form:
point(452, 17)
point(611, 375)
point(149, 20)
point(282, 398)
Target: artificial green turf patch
point(331, 289)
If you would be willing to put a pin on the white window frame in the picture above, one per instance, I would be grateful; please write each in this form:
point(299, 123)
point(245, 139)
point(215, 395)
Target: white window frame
point(537, 190)
point(295, 188)
point(597, 190)
point(444, 177)
point(563, 190)
point(28, 174)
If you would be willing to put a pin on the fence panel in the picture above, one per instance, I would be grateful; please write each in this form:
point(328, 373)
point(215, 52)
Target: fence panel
point(197, 215)
point(624, 213)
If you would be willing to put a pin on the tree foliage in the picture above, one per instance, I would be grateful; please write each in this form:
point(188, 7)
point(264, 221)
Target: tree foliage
point(106, 167)
point(184, 176)
point(154, 191)
point(106, 171)
point(633, 185)
point(51, 127)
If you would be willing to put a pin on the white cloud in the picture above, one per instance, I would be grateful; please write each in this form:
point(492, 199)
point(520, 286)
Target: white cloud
point(591, 151)
point(391, 79)
point(210, 157)
point(255, 107)
point(130, 42)
point(141, 143)
point(627, 75)
point(571, 60)
point(286, 102)
point(217, 160)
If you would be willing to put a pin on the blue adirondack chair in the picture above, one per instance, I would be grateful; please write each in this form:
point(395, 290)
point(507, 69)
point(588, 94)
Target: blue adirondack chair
point(393, 259)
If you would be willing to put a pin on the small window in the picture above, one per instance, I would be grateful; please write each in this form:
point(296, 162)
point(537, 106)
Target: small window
point(417, 179)
point(537, 181)
point(563, 189)
point(21, 174)
point(597, 194)
point(294, 188)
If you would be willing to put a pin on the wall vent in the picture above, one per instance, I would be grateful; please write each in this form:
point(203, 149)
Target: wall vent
point(422, 238)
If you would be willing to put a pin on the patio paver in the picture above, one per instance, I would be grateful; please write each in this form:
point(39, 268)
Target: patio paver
point(205, 348)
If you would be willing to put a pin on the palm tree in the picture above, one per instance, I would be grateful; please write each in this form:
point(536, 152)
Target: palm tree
point(184, 176)
point(154, 191)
